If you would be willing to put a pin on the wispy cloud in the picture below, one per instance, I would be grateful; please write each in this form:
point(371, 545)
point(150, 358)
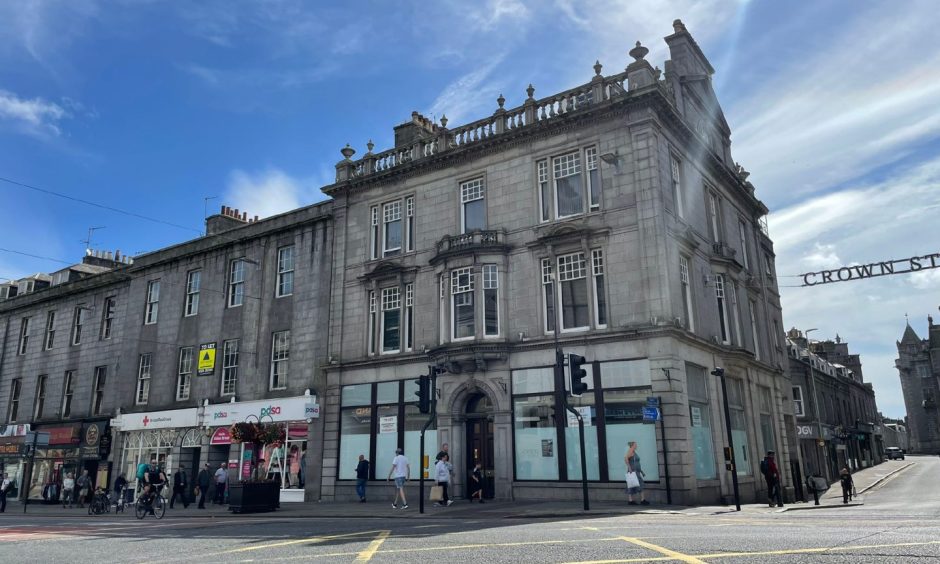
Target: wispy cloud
point(466, 96)
point(270, 192)
point(42, 29)
point(36, 116)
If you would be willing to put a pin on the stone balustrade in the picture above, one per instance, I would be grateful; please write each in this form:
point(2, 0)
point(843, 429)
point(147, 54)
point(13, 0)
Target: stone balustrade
point(532, 112)
point(474, 240)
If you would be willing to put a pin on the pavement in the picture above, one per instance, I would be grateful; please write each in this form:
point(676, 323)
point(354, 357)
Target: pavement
point(865, 480)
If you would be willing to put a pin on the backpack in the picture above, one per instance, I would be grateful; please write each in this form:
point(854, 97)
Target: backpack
point(142, 470)
point(764, 467)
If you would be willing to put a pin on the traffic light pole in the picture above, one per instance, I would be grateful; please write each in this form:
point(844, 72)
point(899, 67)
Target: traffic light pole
point(432, 372)
point(584, 483)
point(734, 466)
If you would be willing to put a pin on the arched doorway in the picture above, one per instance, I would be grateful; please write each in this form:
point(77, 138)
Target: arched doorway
point(479, 417)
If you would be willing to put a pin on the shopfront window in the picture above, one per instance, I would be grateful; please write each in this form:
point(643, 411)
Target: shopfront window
point(742, 452)
point(700, 418)
point(547, 445)
point(376, 419)
point(144, 446)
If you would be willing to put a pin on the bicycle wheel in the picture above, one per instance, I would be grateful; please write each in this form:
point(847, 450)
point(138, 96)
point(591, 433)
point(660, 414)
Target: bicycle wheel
point(159, 507)
point(140, 509)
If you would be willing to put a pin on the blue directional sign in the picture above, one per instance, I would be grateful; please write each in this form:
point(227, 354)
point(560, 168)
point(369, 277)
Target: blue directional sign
point(651, 414)
point(652, 401)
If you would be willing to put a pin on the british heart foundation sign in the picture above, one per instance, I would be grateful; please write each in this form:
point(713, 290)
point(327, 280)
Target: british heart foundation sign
point(221, 436)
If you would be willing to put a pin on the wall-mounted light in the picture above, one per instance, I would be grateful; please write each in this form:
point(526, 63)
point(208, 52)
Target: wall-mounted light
point(613, 159)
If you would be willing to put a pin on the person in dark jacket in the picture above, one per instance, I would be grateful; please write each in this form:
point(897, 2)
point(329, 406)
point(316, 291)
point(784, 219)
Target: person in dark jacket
point(768, 468)
point(362, 476)
point(203, 480)
point(845, 477)
point(119, 486)
point(180, 485)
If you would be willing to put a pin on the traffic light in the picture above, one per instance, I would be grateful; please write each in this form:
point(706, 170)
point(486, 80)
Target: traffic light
point(424, 394)
point(577, 374)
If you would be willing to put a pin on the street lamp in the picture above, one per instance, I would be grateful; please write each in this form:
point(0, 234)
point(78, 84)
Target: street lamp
point(729, 455)
point(816, 406)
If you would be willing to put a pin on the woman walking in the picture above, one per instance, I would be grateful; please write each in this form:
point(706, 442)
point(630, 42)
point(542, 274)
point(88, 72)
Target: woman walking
point(635, 475)
point(442, 472)
point(476, 483)
point(68, 486)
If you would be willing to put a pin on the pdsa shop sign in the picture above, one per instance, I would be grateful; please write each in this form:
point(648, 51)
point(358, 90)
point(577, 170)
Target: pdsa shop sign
point(281, 409)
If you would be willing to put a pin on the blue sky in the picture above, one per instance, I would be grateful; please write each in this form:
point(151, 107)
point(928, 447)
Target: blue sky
point(153, 106)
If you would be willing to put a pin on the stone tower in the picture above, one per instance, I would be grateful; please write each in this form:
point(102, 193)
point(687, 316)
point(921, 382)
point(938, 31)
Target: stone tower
point(918, 365)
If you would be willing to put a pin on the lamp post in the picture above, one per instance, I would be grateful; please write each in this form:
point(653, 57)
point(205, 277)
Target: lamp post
point(816, 406)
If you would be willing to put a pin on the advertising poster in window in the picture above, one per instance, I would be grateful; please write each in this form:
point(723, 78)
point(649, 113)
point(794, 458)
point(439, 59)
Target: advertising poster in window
point(388, 425)
point(206, 366)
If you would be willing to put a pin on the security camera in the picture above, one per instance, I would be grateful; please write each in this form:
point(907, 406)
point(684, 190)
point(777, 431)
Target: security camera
point(718, 371)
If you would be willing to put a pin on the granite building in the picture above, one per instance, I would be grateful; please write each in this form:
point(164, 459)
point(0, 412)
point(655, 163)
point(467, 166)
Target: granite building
point(918, 365)
point(610, 217)
point(837, 420)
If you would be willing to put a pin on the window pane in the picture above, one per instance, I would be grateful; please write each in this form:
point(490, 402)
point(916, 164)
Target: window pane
point(741, 447)
point(767, 432)
point(386, 443)
point(574, 304)
point(536, 438)
point(573, 441)
point(624, 419)
point(393, 235)
point(702, 441)
point(414, 421)
point(570, 199)
point(625, 373)
point(533, 381)
point(463, 315)
point(359, 394)
point(491, 308)
point(474, 215)
point(601, 300)
point(546, 197)
point(391, 335)
point(354, 438)
point(387, 392)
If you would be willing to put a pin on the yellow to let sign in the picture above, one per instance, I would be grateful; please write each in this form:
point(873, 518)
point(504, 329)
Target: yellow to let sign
point(206, 364)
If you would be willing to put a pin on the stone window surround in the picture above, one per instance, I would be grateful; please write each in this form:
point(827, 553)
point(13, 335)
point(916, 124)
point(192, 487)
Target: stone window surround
point(442, 277)
point(563, 244)
point(377, 226)
point(544, 164)
point(373, 284)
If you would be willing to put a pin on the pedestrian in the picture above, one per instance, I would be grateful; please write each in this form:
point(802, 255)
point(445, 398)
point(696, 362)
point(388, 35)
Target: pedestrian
point(445, 451)
point(180, 488)
point(635, 475)
point(84, 487)
point(362, 477)
point(203, 480)
point(119, 485)
point(221, 478)
point(402, 469)
point(845, 476)
point(5, 482)
point(476, 482)
point(442, 471)
point(68, 486)
point(768, 467)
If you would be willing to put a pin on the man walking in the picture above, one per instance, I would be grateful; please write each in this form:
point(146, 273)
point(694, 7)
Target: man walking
point(768, 468)
point(180, 485)
point(203, 481)
point(402, 469)
point(221, 478)
point(4, 488)
point(362, 476)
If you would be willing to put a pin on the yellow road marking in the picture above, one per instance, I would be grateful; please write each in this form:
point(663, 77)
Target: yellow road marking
point(370, 550)
point(816, 550)
point(663, 550)
point(311, 540)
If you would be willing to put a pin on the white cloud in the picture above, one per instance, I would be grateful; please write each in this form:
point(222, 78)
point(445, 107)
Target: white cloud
point(925, 280)
point(35, 116)
point(822, 256)
point(269, 192)
point(467, 96)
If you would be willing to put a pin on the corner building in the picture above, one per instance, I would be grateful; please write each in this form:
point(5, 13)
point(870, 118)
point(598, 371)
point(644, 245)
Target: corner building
point(613, 210)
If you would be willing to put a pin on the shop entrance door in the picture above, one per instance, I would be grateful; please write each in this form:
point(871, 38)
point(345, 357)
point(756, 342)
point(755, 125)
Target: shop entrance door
point(480, 442)
point(189, 463)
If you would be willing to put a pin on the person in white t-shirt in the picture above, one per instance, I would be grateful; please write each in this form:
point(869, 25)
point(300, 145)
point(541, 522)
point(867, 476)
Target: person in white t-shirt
point(401, 469)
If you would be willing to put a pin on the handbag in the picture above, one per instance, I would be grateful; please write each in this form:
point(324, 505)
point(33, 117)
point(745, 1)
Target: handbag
point(437, 493)
point(633, 481)
point(196, 491)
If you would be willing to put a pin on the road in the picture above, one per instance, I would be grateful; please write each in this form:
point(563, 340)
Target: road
point(897, 523)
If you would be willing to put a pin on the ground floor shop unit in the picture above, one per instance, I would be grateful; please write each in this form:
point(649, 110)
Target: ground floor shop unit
point(505, 413)
point(188, 439)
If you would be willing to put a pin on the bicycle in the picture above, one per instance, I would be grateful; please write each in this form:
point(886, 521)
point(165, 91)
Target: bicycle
point(100, 503)
point(157, 506)
point(121, 501)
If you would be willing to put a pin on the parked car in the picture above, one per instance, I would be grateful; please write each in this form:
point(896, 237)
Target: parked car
point(894, 453)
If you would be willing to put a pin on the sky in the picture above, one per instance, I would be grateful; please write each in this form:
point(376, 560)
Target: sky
point(165, 109)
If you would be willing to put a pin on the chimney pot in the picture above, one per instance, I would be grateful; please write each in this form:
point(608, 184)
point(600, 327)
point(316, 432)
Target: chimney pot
point(244, 216)
point(117, 255)
point(256, 218)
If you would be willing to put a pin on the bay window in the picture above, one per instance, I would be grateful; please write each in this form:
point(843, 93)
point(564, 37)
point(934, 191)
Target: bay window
point(461, 290)
point(490, 300)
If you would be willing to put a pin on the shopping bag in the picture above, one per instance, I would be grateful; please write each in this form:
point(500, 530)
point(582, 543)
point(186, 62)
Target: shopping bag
point(437, 493)
point(633, 481)
point(196, 491)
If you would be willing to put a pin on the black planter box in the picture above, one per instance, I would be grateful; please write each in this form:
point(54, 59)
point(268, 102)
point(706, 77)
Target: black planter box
point(249, 497)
